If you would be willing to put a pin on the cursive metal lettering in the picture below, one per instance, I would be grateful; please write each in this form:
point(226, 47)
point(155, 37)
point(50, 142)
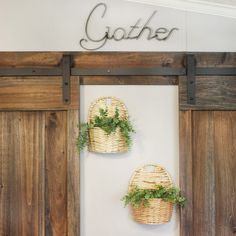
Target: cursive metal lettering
point(118, 34)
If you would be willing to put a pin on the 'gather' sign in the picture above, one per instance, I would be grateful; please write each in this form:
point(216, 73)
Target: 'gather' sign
point(133, 32)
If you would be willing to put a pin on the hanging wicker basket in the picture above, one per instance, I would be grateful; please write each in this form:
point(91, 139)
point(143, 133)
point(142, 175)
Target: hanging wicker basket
point(159, 211)
point(99, 141)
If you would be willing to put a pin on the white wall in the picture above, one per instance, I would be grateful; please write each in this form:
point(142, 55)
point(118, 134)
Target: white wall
point(104, 178)
point(58, 25)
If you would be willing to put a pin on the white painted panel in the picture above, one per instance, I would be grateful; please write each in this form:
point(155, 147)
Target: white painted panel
point(104, 178)
point(210, 33)
point(58, 25)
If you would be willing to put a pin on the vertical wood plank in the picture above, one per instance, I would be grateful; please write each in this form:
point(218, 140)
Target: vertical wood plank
point(225, 159)
point(186, 215)
point(22, 171)
point(73, 175)
point(56, 173)
point(204, 174)
point(31, 172)
point(73, 169)
point(7, 181)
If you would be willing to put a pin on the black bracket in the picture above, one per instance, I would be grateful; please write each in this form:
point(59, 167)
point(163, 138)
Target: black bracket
point(191, 73)
point(66, 73)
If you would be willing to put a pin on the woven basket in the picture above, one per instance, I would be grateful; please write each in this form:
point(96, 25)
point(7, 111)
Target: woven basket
point(99, 141)
point(159, 211)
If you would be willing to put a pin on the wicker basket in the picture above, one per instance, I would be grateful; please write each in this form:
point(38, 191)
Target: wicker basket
point(99, 141)
point(159, 211)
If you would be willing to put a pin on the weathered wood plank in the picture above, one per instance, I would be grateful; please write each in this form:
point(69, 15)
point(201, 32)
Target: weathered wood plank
point(36, 93)
point(211, 174)
point(127, 59)
point(115, 59)
point(31, 170)
point(22, 173)
point(92, 59)
point(129, 80)
point(8, 148)
point(30, 59)
point(56, 173)
point(215, 59)
point(203, 174)
point(185, 163)
point(73, 175)
point(212, 93)
point(225, 164)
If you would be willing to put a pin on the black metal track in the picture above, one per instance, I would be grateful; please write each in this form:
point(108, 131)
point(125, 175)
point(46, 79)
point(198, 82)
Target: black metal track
point(66, 83)
point(30, 72)
point(162, 71)
point(191, 73)
point(208, 71)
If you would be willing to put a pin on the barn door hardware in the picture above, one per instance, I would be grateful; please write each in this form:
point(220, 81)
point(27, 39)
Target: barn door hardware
point(66, 73)
point(191, 73)
point(11, 71)
point(214, 71)
point(161, 71)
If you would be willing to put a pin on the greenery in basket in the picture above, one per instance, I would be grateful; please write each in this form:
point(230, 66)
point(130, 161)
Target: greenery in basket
point(140, 197)
point(106, 123)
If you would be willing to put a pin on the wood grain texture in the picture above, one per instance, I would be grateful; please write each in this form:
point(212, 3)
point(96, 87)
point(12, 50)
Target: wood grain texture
point(92, 59)
point(115, 59)
point(73, 175)
point(209, 170)
point(225, 172)
point(216, 59)
point(22, 171)
point(39, 198)
point(127, 59)
point(212, 93)
point(186, 166)
point(56, 173)
point(10, 183)
point(129, 80)
point(36, 93)
point(30, 59)
point(203, 174)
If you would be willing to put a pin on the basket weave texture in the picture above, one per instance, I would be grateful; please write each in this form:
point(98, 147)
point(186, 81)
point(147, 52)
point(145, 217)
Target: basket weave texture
point(159, 211)
point(99, 141)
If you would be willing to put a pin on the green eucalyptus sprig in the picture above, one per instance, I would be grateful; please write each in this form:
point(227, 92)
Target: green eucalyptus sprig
point(108, 124)
point(141, 197)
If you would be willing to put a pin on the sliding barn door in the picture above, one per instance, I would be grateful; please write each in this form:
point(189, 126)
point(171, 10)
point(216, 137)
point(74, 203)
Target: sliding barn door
point(208, 172)
point(208, 156)
point(39, 166)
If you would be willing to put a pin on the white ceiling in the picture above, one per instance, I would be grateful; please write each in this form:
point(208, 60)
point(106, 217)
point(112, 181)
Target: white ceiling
point(226, 8)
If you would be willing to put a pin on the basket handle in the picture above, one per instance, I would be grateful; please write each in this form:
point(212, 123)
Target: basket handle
point(108, 101)
point(150, 167)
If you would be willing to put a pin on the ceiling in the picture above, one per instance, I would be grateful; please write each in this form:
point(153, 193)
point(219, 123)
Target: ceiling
point(225, 8)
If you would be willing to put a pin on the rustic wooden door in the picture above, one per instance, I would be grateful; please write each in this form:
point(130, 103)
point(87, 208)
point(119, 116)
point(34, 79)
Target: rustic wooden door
point(39, 170)
point(209, 148)
point(208, 156)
